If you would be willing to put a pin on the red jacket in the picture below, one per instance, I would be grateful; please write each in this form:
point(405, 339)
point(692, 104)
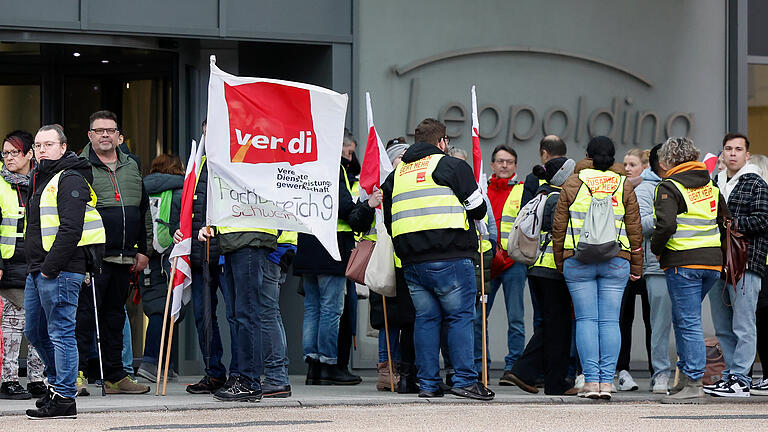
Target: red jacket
point(498, 191)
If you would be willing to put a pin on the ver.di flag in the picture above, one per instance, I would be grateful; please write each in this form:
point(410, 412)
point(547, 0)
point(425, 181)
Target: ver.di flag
point(273, 149)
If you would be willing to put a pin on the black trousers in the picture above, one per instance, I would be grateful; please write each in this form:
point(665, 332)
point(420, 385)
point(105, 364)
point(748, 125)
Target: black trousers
point(627, 317)
point(548, 351)
point(112, 289)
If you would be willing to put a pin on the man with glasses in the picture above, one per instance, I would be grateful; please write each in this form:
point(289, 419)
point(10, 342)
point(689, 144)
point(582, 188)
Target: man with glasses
point(124, 207)
point(431, 202)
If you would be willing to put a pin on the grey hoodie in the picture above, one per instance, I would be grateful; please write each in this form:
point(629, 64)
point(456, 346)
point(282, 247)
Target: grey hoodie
point(645, 193)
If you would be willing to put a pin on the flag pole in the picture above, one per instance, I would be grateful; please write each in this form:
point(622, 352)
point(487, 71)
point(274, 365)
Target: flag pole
point(389, 353)
point(482, 300)
point(168, 354)
point(165, 325)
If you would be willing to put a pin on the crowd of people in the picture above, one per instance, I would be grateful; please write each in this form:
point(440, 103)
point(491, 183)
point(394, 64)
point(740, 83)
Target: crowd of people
point(80, 232)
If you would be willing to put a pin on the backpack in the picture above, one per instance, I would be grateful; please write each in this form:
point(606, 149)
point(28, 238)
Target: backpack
point(524, 238)
point(160, 207)
point(598, 241)
point(713, 371)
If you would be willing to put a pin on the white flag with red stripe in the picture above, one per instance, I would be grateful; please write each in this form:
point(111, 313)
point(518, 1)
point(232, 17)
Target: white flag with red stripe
point(182, 279)
point(477, 157)
point(376, 164)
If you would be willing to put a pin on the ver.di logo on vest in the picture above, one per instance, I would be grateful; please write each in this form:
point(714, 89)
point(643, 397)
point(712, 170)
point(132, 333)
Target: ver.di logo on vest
point(270, 123)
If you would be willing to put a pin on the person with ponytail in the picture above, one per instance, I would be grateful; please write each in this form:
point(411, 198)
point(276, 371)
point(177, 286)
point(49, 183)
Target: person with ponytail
point(596, 281)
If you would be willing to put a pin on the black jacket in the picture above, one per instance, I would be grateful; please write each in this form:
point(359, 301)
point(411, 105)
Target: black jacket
point(530, 187)
point(437, 244)
point(546, 227)
point(311, 256)
point(198, 221)
point(400, 310)
point(72, 197)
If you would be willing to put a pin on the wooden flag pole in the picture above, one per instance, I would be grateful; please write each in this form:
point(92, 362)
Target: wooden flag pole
point(389, 353)
point(165, 324)
point(482, 300)
point(168, 355)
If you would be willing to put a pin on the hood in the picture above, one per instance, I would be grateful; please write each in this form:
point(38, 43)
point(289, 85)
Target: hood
point(71, 161)
point(726, 185)
point(586, 163)
point(159, 182)
point(420, 150)
point(690, 174)
point(650, 176)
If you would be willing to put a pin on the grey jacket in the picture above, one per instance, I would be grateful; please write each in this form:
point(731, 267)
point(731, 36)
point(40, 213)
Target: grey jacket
point(645, 193)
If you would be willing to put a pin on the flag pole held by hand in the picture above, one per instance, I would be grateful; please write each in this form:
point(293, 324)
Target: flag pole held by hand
point(389, 353)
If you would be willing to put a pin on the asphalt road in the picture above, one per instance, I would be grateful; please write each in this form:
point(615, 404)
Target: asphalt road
point(600, 416)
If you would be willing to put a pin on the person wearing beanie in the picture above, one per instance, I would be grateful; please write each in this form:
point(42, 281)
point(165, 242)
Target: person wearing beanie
point(548, 351)
point(597, 286)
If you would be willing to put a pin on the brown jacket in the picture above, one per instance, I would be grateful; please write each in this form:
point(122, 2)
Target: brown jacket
point(631, 219)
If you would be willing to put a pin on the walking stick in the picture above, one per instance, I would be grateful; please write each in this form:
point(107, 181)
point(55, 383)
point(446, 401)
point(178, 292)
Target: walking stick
point(165, 324)
point(98, 336)
point(168, 355)
point(389, 353)
point(482, 300)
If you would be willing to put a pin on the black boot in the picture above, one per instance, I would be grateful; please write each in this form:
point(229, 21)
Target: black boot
point(59, 407)
point(313, 371)
point(333, 375)
point(13, 390)
point(407, 382)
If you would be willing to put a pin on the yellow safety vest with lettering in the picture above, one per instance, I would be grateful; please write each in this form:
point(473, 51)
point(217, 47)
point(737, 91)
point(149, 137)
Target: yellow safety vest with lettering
point(12, 212)
point(509, 213)
point(420, 204)
point(601, 183)
point(697, 227)
point(93, 227)
point(288, 237)
point(342, 225)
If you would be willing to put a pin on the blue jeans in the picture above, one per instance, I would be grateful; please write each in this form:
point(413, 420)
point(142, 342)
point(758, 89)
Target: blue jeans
point(735, 323)
point(661, 323)
point(513, 282)
point(127, 346)
point(323, 305)
point(443, 291)
point(272, 330)
point(213, 366)
point(596, 291)
point(394, 344)
point(247, 271)
point(687, 288)
point(51, 309)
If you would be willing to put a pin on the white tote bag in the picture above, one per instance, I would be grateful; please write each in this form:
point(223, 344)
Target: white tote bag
point(380, 273)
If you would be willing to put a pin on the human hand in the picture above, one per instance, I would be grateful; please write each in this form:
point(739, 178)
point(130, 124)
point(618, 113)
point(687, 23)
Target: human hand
point(204, 234)
point(177, 236)
point(634, 277)
point(141, 263)
point(375, 199)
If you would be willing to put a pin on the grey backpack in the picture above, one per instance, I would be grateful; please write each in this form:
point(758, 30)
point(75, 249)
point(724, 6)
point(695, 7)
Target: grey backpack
point(598, 241)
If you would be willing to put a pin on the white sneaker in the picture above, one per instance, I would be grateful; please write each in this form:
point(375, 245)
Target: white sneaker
point(661, 384)
point(732, 388)
point(579, 383)
point(626, 383)
point(759, 387)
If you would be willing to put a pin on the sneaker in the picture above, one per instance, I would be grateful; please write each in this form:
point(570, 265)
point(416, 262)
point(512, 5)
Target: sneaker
point(59, 407)
point(732, 388)
point(590, 390)
point(239, 391)
point(37, 389)
point(626, 383)
point(82, 384)
point(718, 385)
point(759, 388)
point(126, 385)
point(147, 372)
point(475, 391)
point(206, 385)
point(660, 384)
point(579, 382)
point(605, 390)
point(46, 399)
point(14, 391)
point(691, 392)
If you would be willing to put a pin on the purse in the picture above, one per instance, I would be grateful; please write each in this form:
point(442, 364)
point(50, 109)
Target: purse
point(380, 274)
point(358, 261)
point(736, 245)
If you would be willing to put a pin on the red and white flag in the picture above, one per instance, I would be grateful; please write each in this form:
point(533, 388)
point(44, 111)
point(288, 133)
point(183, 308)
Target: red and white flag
point(710, 160)
point(477, 154)
point(182, 279)
point(376, 164)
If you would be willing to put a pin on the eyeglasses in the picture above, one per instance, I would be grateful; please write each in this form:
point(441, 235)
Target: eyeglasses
point(47, 144)
point(12, 153)
point(447, 140)
point(504, 161)
point(100, 131)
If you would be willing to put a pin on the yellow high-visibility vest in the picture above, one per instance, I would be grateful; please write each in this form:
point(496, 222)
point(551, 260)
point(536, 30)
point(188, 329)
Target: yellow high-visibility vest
point(509, 213)
point(486, 237)
point(601, 183)
point(342, 225)
point(12, 212)
point(288, 237)
point(420, 204)
point(697, 227)
point(93, 227)
point(228, 230)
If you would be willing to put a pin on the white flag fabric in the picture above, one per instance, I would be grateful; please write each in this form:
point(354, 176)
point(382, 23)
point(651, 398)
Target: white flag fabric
point(274, 151)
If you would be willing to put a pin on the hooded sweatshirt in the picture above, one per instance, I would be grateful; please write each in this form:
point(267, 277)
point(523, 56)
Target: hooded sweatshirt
point(645, 192)
point(747, 196)
point(72, 197)
point(668, 203)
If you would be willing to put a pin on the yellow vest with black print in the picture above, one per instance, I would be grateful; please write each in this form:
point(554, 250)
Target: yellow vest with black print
point(341, 225)
point(697, 227)
point(93, 227)
point(601, 183)
point(420, 204)
point(509, 213)
point(12, 212)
